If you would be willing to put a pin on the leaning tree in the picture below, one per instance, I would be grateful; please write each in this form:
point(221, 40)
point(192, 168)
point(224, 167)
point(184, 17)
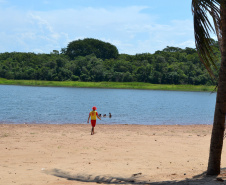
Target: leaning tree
point(203, 10)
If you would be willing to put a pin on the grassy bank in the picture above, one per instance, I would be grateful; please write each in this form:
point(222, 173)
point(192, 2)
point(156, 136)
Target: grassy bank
point(114, 85)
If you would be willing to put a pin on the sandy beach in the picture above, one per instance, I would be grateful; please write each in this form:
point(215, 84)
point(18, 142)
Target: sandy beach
point(34, 154)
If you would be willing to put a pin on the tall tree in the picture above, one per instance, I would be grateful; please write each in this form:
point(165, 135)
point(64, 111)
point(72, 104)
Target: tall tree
point(202, 28)
point(90, 46)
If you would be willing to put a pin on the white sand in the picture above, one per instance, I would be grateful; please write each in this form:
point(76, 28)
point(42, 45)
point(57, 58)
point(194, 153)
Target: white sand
point(124, 154)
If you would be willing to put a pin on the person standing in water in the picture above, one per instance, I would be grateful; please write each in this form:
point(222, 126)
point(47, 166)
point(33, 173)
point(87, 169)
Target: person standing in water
point(94, 115)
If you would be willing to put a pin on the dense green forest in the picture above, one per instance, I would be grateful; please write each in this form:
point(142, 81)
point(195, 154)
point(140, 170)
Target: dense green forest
point(93, 60)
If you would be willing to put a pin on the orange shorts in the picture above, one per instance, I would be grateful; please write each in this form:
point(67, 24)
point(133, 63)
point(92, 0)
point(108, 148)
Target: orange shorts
point(93, 123)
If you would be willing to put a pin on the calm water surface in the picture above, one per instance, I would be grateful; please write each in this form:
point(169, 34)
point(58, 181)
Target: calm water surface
point(25, 104)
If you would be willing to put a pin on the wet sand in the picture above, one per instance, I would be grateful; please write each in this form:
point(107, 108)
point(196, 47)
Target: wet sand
point(34, 154)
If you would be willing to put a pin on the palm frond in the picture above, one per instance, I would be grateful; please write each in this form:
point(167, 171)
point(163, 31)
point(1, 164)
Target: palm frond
point(202, 28)
point(218, 29)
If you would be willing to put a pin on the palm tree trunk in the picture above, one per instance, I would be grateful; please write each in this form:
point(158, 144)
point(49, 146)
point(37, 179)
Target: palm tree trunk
point(217, 137)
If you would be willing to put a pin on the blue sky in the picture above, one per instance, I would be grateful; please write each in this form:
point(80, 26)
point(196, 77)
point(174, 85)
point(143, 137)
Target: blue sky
point(133, 26)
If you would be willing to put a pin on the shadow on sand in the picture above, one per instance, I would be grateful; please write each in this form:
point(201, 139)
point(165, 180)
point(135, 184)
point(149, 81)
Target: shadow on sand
point(134, 179)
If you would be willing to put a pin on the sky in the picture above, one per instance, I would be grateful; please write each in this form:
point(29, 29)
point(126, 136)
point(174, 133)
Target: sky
point(133, 26)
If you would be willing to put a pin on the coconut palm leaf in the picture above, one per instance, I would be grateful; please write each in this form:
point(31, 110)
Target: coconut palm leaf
point(202, 27)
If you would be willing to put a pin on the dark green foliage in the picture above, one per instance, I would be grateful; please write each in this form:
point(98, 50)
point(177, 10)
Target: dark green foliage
point(90, 46)
point(172, 65)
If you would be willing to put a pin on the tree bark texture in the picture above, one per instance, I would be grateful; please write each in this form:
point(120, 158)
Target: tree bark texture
point(217, 137)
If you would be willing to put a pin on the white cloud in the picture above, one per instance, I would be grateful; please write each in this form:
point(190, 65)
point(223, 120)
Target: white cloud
point(130, 30)
point(3, 1)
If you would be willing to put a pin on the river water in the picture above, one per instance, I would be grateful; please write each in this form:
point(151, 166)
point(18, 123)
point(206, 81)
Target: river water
point(60, 105)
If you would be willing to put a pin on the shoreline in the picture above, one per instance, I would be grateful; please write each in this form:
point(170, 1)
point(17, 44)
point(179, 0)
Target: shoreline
point(102, 124)
point(40, 154)
point(110, 85)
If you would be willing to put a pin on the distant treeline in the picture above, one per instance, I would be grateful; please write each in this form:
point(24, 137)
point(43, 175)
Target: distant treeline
point(95, 61)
